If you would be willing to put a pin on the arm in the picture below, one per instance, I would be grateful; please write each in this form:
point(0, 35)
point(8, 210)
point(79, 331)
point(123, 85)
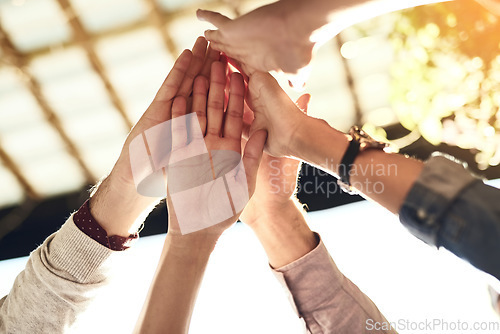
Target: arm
point(321, 295)
point(439, 201)
point(192, 232)
point(326, 300)
point(297, 25)
point(172, 295)
point(291, 133)
point(64, 274)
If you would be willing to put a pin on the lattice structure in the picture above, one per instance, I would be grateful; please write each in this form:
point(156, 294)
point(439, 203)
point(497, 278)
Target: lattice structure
point(75, 75)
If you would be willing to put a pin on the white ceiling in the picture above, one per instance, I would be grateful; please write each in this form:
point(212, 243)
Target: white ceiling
point(135, 59)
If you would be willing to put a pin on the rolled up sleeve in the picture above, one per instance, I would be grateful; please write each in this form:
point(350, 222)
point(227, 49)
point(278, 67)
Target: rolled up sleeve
point(449, 207)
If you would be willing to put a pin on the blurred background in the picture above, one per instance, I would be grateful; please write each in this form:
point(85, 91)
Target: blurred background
point(75, 75)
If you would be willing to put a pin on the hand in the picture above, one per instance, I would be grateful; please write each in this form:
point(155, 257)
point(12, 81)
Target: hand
point(192, 180)
point(265, 39)
point(276, 183)
point(116, 203)
point(273, 213)
point(179, 82)
point(275, 113)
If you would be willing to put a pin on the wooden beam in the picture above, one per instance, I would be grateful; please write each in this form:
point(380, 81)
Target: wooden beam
point(19, 61)
point(16, 171)
point(85, 41)
point(157, 17)
point(116, 31)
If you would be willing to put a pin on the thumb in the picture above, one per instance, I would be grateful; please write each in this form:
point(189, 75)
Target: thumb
point(303, 102)
point(252, 157)
point(217, 19)
point(244, 69)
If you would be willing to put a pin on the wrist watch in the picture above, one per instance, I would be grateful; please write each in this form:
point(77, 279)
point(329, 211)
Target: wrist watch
point(359, 141)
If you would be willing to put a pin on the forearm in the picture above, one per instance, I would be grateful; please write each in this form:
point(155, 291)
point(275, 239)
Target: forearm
point(284, 234)
point(383, 177)
point(466, 207)
point(61, 278)
point(323, 19)
point(326, 300)
point(173, 292)
point(118, 207)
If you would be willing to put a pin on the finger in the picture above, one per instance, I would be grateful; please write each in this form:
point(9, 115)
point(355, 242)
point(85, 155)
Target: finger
point(200, 91)
point(217, 46)
point(232, 69)
point(211, 56)
point(195, 66)
point(252, 157)
point(245, 133)
point(248, 117)
point(215, 103)
point(303, 102)
point(213, 36)
point(171, 85)
point(237, 65)
point(227, 73)
point(233, 122)
point(179, 133)
point(217, 19)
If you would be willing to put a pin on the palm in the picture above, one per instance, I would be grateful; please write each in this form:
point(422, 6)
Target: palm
point(179, 82)
point(207, 184)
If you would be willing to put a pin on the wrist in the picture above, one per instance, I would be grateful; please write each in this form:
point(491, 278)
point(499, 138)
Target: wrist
point(317, 143)
point(264, 214)
point(286, 236)
point(259, 212)
point(118, 207)
point(193, 240)
point(206, 236)
point(193, 243)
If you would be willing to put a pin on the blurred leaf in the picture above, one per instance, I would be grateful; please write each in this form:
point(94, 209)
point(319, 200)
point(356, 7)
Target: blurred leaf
point(446, 78)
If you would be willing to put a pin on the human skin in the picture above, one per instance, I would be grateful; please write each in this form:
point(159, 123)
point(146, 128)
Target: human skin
point(291, 133)
point(116, 204)
point(173, 292)
point(297, 26)
point(274, 214)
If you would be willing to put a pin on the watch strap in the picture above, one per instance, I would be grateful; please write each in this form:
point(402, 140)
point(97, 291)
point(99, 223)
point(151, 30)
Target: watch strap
point(347, 161)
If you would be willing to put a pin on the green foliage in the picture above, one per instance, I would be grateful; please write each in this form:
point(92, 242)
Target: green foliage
point(447, 76)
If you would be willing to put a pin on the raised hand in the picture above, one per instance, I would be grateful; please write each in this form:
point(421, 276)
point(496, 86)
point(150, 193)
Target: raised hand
point(276, 183)
point(202, 132)
point(264, 39)
point(273, 112)
point(179, 82)
point(205, 164)
point(117, 205)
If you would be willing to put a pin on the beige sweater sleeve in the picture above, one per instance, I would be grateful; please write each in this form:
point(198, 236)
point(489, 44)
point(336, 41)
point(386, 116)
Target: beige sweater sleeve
point(60, 279)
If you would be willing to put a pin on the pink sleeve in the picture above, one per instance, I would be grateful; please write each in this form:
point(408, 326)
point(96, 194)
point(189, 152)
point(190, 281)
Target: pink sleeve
point(326, 300)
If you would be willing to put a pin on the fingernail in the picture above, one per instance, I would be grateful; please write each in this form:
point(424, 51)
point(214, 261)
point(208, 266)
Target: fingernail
point(198, 13)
